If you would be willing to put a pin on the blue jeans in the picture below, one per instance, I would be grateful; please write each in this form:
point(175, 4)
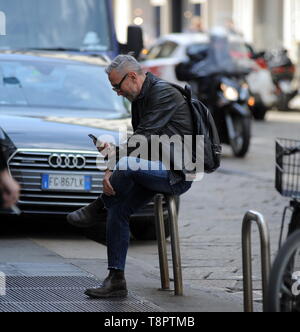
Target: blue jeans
point(134, 190)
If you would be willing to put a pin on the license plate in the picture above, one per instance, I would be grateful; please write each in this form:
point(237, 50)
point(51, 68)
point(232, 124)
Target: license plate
point(66, 182)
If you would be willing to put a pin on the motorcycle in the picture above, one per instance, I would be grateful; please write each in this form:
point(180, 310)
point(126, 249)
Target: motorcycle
point(282, 72)
point(262, 90)
point(219, 82)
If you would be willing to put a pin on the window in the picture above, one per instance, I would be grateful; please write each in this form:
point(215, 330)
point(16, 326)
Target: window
point(164, 50)
point(57, 85)
point(56, 24)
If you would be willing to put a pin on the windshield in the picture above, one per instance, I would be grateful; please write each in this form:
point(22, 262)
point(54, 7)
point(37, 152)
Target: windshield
point(74, 24)
point(221, 56)
point(57, 85)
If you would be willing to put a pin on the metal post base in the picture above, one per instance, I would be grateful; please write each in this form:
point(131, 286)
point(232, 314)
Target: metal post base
point(247, 261)
point(162, 247)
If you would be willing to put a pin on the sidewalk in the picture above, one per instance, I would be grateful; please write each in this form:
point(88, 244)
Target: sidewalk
point(51, 275)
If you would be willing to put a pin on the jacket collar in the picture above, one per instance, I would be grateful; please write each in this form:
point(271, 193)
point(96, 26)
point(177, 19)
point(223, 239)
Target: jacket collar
point(150, 79)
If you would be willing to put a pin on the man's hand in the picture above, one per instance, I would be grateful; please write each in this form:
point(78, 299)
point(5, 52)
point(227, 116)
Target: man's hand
point(107, 150)
point(107, 187)
point(9, 190)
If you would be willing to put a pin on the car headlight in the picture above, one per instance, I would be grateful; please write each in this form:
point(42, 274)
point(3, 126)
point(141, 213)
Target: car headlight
point(230, 93)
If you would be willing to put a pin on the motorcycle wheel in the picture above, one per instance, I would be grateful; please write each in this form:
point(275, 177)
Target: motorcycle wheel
point(241, 143)
point(283, 103)
point(259, 112)
point(283, 289)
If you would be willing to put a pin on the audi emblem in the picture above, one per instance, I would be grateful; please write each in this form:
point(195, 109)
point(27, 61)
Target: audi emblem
point(67, 161)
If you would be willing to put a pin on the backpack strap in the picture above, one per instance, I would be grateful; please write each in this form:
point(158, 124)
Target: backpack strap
point(186, 92)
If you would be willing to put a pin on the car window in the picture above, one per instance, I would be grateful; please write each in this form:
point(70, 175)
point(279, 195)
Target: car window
point(58, 85)
point(163, 50)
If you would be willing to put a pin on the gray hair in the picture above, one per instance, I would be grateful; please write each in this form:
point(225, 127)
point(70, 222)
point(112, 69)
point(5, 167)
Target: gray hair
point(123, 64)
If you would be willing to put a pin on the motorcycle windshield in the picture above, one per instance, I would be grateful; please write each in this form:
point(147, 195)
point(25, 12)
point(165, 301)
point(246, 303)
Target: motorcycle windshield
point(222, 59)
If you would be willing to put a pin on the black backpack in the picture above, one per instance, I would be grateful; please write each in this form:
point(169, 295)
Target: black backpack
point(204, 126)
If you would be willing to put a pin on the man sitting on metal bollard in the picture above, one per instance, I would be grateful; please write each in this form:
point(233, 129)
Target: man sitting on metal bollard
point(157, 109)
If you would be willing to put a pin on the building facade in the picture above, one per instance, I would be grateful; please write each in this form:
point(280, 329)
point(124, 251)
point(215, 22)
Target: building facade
point(291, 29)
point(267, 24)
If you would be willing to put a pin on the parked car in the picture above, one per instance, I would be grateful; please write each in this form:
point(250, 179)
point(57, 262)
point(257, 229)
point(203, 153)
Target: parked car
point(170, 50)
point(50, 103)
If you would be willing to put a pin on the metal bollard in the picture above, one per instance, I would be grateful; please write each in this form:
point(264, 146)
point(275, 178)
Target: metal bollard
point(176, 256)
point(162, 247)
point(247, 259)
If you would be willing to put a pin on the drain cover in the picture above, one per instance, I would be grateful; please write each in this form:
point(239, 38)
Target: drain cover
point(64, 294)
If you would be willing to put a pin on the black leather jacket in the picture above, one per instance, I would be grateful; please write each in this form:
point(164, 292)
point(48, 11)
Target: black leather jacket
point(160, 110)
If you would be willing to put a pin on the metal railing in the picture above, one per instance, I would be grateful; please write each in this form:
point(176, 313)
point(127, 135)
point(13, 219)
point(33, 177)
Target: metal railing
point(162, 245)
point(247, 259)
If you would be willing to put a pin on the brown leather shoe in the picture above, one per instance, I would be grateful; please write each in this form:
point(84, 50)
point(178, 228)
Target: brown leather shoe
point(87, 216)
point(113, 286)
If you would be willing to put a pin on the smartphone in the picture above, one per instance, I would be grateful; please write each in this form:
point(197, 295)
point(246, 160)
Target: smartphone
point(95, 141)
point(94, 138)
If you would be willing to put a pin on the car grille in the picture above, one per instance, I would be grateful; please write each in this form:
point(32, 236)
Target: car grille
point(28, 166)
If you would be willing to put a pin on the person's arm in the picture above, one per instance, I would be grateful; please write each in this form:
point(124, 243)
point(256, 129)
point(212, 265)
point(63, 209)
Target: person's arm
point(9, 188)
point(2, 160)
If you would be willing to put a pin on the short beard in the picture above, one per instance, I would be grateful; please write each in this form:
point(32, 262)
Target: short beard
point(131, 97)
